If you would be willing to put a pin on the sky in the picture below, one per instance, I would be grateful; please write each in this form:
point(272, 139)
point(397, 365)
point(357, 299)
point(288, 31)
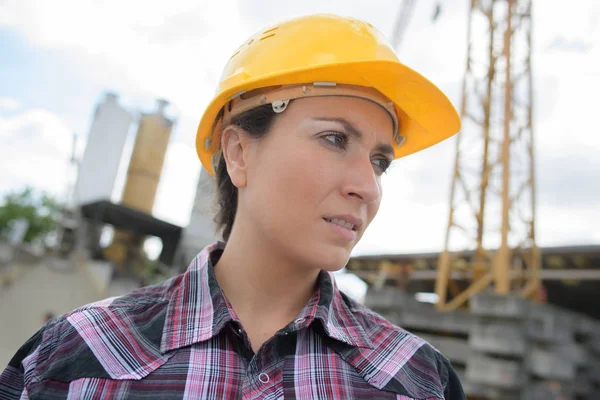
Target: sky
point(57, 59)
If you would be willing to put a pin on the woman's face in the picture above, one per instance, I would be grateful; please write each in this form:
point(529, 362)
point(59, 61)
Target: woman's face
point(319, 166)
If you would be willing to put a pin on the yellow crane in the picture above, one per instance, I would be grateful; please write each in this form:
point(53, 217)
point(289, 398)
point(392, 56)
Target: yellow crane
point(490, 235)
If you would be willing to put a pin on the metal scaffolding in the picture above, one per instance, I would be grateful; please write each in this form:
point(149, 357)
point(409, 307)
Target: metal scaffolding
point(492, 200)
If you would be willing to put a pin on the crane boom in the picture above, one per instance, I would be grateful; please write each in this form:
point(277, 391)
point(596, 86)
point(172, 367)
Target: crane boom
point(402, 21)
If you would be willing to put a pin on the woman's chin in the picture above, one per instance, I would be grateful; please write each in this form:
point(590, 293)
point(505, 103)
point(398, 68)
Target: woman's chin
point(332, 258)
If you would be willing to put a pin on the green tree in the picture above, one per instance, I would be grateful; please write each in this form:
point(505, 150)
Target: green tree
point(39, 209)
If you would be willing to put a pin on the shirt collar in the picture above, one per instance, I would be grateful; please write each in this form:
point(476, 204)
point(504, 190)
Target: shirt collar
point(198, 309)
point(336, 316)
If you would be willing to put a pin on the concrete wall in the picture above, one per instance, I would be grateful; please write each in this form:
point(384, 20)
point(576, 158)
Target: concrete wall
point(35, 290)
point(505, 347)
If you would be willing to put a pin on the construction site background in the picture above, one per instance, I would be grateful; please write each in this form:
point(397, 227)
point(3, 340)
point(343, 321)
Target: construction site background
point(517, 319)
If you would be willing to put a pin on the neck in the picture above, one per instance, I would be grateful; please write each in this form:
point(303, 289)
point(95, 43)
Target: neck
point(262, 285)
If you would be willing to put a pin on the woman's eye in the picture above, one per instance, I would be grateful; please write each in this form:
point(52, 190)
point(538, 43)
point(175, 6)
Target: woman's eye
point(382, 164)
point(337, 139)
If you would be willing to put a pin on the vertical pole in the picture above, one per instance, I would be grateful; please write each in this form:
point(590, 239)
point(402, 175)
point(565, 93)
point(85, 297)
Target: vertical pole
point(502, 267)
point(444, 267)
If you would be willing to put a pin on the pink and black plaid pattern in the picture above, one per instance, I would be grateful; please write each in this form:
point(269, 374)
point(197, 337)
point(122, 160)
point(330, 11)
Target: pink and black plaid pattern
point(182, 340)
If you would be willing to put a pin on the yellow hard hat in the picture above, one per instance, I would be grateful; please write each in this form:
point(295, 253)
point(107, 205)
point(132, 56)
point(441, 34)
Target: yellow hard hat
point(320, 51)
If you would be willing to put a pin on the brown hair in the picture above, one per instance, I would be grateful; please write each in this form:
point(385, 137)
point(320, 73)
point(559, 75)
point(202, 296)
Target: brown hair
point(256, 122)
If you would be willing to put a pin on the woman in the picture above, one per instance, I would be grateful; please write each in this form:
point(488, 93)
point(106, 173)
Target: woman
point(309, 115)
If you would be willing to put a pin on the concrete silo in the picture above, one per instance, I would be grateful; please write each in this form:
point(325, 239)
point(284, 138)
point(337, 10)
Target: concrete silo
point(105, 143)
point(141, 184)
point(147, 158)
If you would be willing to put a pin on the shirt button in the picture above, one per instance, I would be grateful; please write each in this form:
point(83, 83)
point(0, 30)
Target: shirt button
point(264, 378)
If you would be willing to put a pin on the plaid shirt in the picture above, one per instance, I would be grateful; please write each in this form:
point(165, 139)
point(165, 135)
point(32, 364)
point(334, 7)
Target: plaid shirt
point(182, 339)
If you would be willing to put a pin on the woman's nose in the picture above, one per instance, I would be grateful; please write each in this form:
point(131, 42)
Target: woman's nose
point(362, 182)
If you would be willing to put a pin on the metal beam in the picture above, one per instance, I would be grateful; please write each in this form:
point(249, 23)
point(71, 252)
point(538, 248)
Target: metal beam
point(431, 275)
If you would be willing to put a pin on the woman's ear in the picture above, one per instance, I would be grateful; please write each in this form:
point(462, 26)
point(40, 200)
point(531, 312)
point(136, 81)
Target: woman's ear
point(234, 145)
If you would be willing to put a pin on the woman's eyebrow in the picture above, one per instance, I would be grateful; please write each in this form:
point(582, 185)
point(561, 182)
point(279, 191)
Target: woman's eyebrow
point(352, 130)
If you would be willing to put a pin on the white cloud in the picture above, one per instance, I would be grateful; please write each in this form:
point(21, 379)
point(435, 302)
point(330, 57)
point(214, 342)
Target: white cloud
point(173, 50)
point(579, 21)
point(8, 104)
point(559, 226)
point(35, 146)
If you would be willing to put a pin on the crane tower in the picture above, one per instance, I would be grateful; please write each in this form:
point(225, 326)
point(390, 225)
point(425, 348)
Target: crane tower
point(490, 238)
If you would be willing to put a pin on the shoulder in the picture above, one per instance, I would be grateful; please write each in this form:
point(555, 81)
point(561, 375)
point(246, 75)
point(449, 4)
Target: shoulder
point(89, 341)
point(400, 361)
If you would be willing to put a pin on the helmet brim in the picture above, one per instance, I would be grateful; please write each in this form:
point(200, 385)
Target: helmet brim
point(426, 115)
